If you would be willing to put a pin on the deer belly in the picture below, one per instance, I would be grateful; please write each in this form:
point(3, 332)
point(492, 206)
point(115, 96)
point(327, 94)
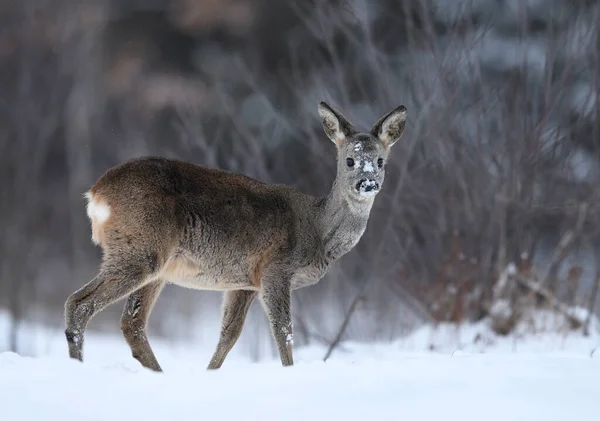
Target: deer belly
point(188, 273)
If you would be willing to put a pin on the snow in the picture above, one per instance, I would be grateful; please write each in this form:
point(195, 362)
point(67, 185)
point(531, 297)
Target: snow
point(501, 309)
point(369, 183)
point(434, 373)
point(406, 386)
point(368, 166)
point(289, 336)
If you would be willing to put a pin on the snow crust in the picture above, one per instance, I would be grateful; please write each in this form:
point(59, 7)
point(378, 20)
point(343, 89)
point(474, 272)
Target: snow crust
point(435, 373)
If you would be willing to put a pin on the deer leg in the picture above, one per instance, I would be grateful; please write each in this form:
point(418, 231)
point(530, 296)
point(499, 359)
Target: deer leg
point(134, 320)
point(112, 283)
point(275, 299)
point(235, 308)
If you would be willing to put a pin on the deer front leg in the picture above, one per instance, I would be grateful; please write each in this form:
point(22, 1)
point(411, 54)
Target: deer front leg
point(235, 307)
point(276, 299)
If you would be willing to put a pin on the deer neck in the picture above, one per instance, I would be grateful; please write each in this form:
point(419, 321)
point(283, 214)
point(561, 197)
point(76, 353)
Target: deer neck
point(342, 221)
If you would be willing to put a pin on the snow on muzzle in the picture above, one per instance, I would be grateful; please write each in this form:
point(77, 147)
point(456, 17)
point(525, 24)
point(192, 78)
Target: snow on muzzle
point(367, 187)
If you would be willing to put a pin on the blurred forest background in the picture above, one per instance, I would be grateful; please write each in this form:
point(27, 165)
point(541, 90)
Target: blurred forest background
point(498, 167)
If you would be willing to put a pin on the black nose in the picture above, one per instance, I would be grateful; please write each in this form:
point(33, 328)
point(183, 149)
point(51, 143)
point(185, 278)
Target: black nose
point(367, 185)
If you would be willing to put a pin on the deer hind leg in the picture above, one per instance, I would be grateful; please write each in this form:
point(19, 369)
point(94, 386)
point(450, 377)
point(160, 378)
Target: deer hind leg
point(134, 320)
point(235, 308)
point(275, 299)
point(115, 280)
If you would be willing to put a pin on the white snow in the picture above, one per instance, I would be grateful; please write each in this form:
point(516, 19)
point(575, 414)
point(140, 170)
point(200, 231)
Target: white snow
point(402, 386)
point(368, 183)
point(368, 166)
point(289, 336)
point(469, 375)
point(501, 309)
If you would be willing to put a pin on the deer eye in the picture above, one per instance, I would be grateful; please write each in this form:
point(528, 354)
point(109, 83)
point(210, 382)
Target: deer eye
point(380, 162)
point(350, 162)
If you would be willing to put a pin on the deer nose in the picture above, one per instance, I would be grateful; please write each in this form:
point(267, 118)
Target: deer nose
point(367, 186)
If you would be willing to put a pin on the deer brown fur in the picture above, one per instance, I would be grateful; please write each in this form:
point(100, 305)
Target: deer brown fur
point(161, 220)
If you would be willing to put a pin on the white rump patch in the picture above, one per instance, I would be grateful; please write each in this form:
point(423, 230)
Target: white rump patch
point(95, 210)
point(98, 213)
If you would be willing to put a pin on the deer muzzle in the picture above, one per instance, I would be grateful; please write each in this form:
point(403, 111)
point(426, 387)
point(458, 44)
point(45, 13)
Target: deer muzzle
point(367, 187)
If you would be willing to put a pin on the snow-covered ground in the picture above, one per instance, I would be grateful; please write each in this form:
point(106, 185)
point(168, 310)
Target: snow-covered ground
point(545, 377)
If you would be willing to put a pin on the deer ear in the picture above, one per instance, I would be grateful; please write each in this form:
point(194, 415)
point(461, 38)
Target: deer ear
point(335, 125)
point(390, 127)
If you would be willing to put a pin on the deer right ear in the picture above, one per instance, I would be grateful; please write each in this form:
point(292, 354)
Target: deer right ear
point(390, 127)
point(335, 125)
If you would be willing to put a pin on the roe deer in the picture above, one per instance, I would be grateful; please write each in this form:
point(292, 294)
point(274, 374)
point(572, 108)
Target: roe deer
point(161, 220)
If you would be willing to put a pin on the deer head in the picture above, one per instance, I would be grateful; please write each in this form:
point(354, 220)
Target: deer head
point(362, 157)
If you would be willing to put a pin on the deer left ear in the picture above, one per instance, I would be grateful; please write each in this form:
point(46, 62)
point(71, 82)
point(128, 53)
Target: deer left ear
point(390, 127)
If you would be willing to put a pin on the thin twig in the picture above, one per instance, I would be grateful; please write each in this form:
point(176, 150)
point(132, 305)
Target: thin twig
point(566, 243)
point(593, 297)
point(543, 292)
point(359, 297)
